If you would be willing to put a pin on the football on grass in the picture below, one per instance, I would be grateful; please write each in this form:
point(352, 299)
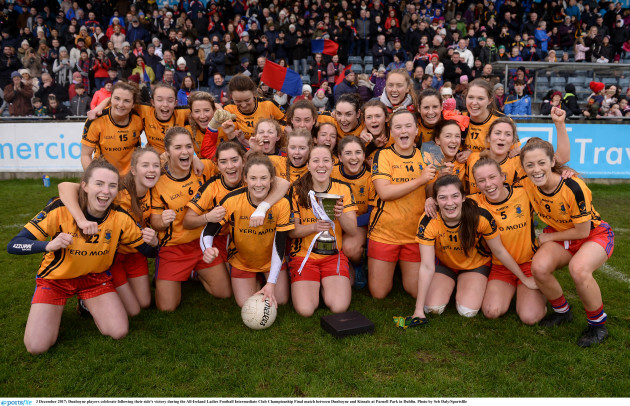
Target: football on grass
point(257, 314)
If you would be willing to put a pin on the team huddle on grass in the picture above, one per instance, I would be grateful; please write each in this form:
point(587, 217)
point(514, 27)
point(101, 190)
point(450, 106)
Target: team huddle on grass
point(227, 196)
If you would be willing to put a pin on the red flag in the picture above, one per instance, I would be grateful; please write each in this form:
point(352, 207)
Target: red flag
point(282, 79)
point(343, 74)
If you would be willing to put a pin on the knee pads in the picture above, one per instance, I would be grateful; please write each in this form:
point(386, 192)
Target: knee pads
point(466, 312)
point(435, 309)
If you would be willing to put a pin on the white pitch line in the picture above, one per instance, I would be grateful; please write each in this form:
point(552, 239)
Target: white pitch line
point(615, 274)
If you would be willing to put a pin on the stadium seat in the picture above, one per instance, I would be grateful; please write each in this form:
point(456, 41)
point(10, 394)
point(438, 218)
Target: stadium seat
point(355, 60)
point(228, 78)
point(542, 80)
point(576, 80)
point(609, 81)
point(624, 83)
point(368, 68)
point(368, 59)
point(358, 68)
point(557, 81)
point(306, 80)
point(204, 89)
point(310, 59)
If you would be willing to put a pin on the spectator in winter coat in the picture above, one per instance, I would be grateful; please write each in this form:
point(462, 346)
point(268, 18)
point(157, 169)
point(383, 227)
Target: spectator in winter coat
point(8, 64)
point(56, 109)
point(137, 32)
point(334, 70)
point(570, 101)
point(318, 72)
point(50, 87)
point(556, 101)
point(348, 85)
point(18, 95)
point(80, 103)
point(499, 95)
point(62, 68)
point(364, 87)
point(518, 104)
point(219, 89)
point(101, 94)
point(380, 54)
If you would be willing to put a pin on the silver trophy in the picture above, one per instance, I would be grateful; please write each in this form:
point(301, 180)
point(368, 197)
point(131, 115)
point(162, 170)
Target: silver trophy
point(326, 243)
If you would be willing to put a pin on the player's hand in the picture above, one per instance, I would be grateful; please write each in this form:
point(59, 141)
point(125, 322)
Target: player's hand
point(150, 237)
point(229, 128)
point(543, 238)
point(428, 173)
point(339, 207)
point(447, 169)
point(530, 283)
point(321, 225)
point(268, 292)
point(215, 215)
point(59, 242)
point(210, 254)
point(463, 156)
point(168, 216)
point(365, 136)
point(88, 227)
point(258, 216)
point(514, 151)
point(256, 143)
point(430, 207)
point(198, 166)
point(558, 115)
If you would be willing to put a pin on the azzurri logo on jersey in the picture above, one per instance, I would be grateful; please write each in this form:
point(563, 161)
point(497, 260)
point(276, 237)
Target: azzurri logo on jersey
point(40, 216)
point(519, 211)
point(563, 209)
point(270, 217)
point(362, 190)
point(108, 235)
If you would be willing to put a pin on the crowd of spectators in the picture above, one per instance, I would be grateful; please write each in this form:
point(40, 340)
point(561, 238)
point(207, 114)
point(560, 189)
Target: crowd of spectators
point(57, 55)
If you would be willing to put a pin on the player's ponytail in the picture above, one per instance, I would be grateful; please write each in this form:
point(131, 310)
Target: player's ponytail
point(470, 212)
point(128, 182)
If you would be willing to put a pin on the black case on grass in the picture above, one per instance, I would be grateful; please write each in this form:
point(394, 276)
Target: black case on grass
point(347, 324)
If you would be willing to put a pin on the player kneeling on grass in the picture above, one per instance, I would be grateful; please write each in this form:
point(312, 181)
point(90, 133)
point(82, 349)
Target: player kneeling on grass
point(311, 271)
point(455, 237)
point(254, 250)
point(130, 271)
point(575, 236)
point(77, 264)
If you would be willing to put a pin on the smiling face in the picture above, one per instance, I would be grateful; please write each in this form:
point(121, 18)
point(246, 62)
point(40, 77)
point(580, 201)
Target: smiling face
point(244, 100)
point(501, 139)
point(404, 130)
point(490, 181)
point(258, 182)
point(297, 150)
point(230, 165)
point(201, 112)
point(538, 167)
point(352, 158)
point(320, 164)
point(327, 136)
point(347, 116)
point(430, 110)
point(375, 120)
point(164, 102)
point(449, 140)
point(396, 88)
point(303, 118)
point(477, 103)
point(146, 172)
point(122, 103)
point(269, 134)
point(449, 200)
point(101, 190)
point(180, 152)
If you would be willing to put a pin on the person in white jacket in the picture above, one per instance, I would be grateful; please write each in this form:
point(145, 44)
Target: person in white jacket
point(435, 67)
point(465, 53)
